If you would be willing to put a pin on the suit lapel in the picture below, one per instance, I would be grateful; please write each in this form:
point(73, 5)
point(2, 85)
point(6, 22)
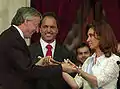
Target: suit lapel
point(40, 50)
point(56, 52)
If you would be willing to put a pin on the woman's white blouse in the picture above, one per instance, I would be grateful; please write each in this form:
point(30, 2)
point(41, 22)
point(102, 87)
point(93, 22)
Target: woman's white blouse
point(106, 71)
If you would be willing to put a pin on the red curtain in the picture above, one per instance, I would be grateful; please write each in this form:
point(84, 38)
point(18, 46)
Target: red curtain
point(66, 10)
point(112, 12)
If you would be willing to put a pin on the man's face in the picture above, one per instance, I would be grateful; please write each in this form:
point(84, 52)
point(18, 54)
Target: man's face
point(48, 29)
point(83, 53)
point(31, 26)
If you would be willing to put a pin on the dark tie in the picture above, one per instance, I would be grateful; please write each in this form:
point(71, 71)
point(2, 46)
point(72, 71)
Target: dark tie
point(49, 51)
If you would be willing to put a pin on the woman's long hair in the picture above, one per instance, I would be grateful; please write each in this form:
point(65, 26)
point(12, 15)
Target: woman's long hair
point(108, 42)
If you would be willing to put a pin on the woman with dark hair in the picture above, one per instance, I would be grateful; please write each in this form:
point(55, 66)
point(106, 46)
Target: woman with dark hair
point(100, 71)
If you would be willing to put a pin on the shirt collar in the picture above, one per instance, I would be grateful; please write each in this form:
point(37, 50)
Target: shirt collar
point(98, 58)
point(44, 44)
point(21, 33)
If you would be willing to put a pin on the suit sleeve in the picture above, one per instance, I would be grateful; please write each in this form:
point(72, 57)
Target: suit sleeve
point(22, 64)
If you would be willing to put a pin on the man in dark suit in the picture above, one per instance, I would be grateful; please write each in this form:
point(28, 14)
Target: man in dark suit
point(16, 67)
point(49, 29)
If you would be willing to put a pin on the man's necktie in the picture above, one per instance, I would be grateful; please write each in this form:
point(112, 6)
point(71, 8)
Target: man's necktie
point(49, 50)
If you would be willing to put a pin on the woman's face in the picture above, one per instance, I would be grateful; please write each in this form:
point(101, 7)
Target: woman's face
point(92, 39)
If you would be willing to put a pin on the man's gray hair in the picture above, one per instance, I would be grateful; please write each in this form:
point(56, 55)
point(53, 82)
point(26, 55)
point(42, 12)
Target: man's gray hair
point(24, 13)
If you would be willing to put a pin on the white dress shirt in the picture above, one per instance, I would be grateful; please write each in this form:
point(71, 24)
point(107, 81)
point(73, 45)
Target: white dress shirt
point(44, 44)
point(106, 71)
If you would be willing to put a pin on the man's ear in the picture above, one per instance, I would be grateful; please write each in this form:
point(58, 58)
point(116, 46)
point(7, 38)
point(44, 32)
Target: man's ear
point(25, 22)
point(57, 31)
point(38, 30)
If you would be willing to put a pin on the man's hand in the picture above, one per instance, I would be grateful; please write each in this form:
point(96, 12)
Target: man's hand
point(44, 61)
